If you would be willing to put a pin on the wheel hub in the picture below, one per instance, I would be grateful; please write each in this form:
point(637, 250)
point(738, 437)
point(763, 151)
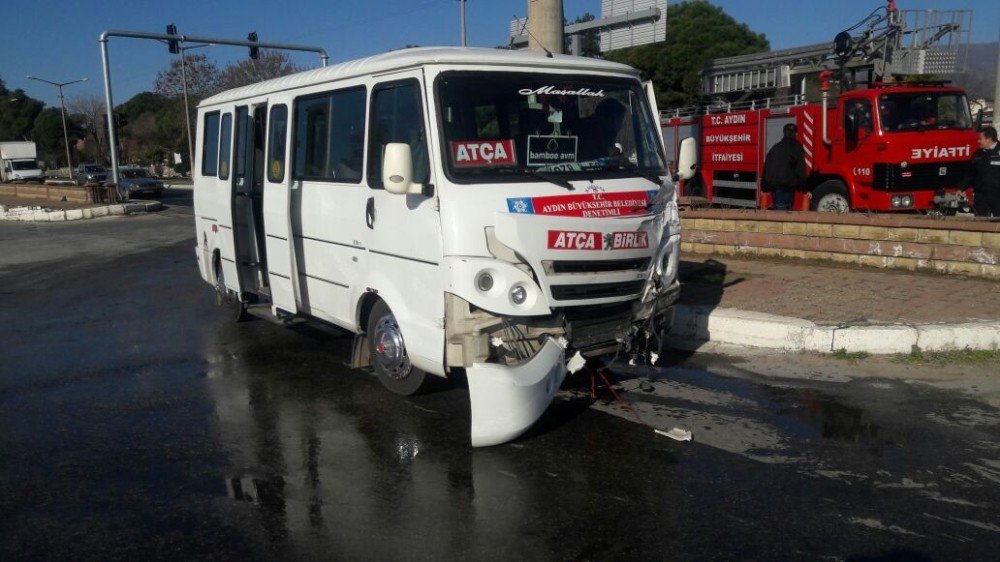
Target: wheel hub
point(390, 352)
point(833, 203)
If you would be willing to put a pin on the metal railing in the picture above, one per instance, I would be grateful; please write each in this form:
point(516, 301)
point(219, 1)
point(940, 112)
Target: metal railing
point(727, 107)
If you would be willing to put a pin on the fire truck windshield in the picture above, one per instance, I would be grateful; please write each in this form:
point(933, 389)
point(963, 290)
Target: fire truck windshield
point(500, 126)
point(919, 111)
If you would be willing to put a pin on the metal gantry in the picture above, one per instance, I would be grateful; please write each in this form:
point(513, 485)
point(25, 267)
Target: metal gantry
point(179, 38)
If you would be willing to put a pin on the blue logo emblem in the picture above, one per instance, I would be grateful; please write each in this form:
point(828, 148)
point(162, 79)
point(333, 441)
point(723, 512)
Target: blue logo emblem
point(521, 205)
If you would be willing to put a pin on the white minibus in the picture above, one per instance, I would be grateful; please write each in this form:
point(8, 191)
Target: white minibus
point(480, 210)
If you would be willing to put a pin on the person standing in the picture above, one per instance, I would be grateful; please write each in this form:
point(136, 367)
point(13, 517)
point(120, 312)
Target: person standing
point(785, 169)
point(984, 175)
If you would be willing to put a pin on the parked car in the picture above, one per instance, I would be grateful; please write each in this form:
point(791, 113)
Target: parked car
point(86, 173)
point(132, 181)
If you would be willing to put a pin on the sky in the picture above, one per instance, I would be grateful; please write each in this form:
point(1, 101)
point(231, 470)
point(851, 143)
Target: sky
point(57, 39)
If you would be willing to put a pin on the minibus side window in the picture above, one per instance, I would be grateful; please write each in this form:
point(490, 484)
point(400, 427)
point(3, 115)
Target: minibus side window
point(347, 135)
point(397, 116)
point(225, 150)
point(242, 124)
point(210, 145)
point(276, 140)
point(330, 136)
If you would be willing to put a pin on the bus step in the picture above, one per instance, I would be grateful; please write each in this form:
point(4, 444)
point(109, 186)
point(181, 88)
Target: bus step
point(264, 311)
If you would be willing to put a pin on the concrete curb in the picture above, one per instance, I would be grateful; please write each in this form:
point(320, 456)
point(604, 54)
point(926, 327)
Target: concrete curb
point(80, 214)
point(695, 326)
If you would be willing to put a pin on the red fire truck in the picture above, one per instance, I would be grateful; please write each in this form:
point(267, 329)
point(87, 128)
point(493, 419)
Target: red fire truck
point(890, 147)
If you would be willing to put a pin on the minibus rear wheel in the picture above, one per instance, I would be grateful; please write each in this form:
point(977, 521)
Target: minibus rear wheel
point(388, 353)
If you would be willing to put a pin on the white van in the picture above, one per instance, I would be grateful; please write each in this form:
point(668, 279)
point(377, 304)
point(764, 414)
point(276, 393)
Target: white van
point(475, 210)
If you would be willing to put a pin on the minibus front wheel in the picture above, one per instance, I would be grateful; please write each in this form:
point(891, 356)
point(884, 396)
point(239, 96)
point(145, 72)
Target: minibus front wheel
point(388, 353)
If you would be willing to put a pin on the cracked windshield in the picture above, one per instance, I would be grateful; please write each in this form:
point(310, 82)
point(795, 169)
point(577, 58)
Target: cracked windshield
point(506, 126)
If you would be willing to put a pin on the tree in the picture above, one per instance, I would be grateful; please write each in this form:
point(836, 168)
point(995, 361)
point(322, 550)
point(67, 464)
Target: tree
point(202, 79)
point(271, 64)
point(47, 133)
point(90, 115)
point(143, 139)
point(18, 112)
point(697, 32)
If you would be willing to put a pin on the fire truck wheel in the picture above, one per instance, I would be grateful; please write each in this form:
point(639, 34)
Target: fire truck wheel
point(831, 197)
point(388, 353)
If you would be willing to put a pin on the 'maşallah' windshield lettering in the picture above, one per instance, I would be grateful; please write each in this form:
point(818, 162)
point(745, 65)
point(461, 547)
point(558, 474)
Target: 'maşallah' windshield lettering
point(551, 90)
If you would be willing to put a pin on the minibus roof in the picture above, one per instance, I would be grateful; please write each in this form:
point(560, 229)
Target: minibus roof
point(415, 57)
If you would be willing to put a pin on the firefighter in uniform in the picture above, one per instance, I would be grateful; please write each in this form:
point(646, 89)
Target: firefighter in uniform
point(984, 175)
point(785, 169)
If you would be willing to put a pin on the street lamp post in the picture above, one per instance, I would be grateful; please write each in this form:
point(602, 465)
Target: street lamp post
point(187, 111)
point(62, 105)
point(462, 17)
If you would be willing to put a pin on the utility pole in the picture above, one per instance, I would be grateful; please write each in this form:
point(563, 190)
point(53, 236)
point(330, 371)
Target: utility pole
point(545, 26)
point(62, 105)
point(996, 90)
point(462, 12)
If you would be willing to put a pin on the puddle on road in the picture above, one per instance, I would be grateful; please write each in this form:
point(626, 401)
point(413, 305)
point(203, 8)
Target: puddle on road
point(829, 418)
point(760, 421)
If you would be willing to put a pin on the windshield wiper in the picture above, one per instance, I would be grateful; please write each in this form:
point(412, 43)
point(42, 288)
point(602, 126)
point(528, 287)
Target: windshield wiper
point(651, 176)
point(550, 178)
point(655, 178)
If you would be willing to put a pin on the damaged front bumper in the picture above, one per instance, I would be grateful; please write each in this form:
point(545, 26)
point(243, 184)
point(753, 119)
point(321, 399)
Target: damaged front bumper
point(506, 401)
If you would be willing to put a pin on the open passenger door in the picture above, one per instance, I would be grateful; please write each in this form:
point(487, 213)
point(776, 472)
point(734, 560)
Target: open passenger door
point(282, 271)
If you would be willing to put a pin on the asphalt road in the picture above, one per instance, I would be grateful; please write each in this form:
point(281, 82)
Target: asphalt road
point(138, 422)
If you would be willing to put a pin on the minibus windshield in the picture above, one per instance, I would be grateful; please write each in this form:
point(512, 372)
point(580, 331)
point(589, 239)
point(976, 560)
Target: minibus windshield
point(499, 126)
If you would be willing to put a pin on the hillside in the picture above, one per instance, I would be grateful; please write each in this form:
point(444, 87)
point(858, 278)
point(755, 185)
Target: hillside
point(979, 77)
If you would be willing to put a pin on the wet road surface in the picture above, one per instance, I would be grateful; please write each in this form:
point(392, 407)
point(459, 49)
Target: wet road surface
point(137, 421)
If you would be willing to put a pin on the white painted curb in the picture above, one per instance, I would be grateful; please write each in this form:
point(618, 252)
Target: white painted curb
point(695, 326)
point(28, 215)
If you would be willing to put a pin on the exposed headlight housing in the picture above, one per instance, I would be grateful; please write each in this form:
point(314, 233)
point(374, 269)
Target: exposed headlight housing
point(518, 294)
point(484, 281)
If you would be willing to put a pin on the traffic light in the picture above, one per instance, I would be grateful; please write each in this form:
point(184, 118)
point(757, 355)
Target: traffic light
point(173, 45)
point(254, 50)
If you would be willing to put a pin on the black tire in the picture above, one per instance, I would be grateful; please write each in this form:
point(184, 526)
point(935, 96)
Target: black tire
point(831, 196)
point(226, 298)
point(387, 353)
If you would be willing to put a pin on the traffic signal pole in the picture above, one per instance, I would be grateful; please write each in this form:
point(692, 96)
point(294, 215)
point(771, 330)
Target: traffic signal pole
point(179, 38)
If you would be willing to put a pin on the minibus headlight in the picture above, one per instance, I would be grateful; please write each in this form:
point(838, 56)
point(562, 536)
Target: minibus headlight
point(518, 294)
point(484, 281)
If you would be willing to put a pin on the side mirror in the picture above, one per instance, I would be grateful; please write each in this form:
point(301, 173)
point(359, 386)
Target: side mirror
point(397, 170)
point(851, 128)
point(687, 159)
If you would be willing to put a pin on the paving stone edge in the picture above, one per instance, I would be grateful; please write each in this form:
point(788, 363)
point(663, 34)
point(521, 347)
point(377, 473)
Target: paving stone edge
point(80, 214)
point(695, 326)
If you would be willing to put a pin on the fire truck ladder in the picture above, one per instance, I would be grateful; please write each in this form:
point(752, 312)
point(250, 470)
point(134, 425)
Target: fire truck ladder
point(892, 42)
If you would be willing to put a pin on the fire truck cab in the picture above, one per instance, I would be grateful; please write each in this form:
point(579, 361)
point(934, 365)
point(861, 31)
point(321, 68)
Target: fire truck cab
point(890, 147)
